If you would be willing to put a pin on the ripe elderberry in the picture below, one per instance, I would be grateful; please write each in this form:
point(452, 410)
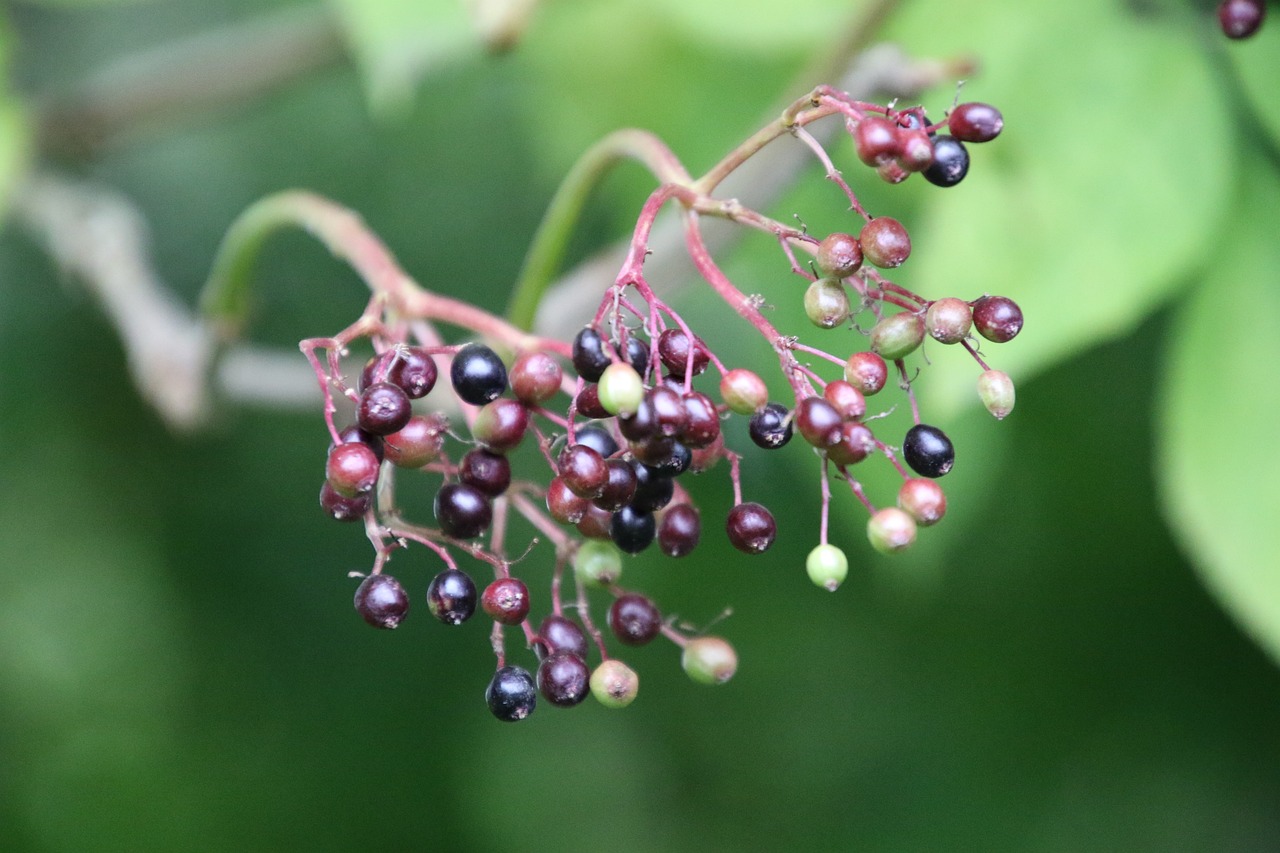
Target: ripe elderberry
point(381, 601)
point(485, 470)
point(451, 597)
point(974, 122)
point(511, 694)
point(819, 422)
point(673, 350)
point(341, 507)
point(997, 318)
point(561, 634)
point(564, 679)
point(751, 528)
point(770, 427)
point(1240, 18)
point(634, 619)
point(620, 487)
point(583, 471)
point(384, 408)
point(632, 530)
point(589, 357)
point(352, 469)
point(413, 370)
point(928, 451)
point(679, 530)
point(598, 439)
point(462, 510)
point(950, 162)
point(477, 374)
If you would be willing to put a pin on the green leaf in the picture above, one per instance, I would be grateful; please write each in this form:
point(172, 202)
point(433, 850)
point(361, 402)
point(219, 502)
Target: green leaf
point(397, 42)
point(14, 131)
point(1218, 471)
point(1090, 208)
point(1257, 64)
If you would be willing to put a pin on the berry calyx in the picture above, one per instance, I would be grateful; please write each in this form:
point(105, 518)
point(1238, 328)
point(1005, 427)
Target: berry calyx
point(891, 530)
point(928, 451)
point(563, 679)
point(477, 374)
point(451, 596)
point(614, 684)
point(511, 694)
point(996, 391)
point(634, 619)
point(827, 566)
point(381, 601)
point(950, 162)
point(597, 563)
point(885, 242)
point(897, 335)
point(975, 122)
point(997, 318)
point(506, 601)
point(751, 528)
point(839, 255)
point(709, 660)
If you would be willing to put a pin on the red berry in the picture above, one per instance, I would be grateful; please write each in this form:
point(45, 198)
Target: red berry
point(997, 318)
point(885, 242)
point(506, 600)
point(875, 138)
point(975, 122)
point(751, 528)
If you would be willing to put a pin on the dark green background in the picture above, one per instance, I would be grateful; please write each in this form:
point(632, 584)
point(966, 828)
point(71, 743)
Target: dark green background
point(180, 667)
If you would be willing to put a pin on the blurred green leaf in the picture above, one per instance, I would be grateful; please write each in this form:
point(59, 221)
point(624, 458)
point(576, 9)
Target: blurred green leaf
point(1257, 63)
point(13, 127)
point(1219, 474)
point(397, 42)
point(1090, 208)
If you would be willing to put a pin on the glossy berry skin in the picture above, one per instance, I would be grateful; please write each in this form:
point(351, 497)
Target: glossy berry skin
point(673, 351)
point(506, 601)
point(743, 391)
point(535, 377)
point(975, 122)
point(414, 371)
point(709, 660)
point(997, 318)
point(560, 634)
point(672, 461)
point(500, 424)
point(885, 242)
point(353, 434)
point(636, 354)
point(827, 566)
point(849, 402)
point(839, 255)
point(417, 442)
point(923, 500)
point(462, 511)
point(770, 427)
point(702, 424)
point(381, 601)
point(511, 695)
point(383, 408)
point(589, 356)
point(478, 375)
point(342, 508)
point(751, 528)
point(634, 619)
point(352, 469)
point(867, 372)
point(950, 162)
point(856, 443)
point(818, 422)
point(583, 471)
point(653, 491)
point(597, 439)
point(875, 139)
point(451, 597)
point(632, 530)
point(897, 335)
point(928, 451)
point(679, 530)
point(588, 402)
point(620, 487)
point(1240, 18)
point(563, 504)
point(564, 679)
point(485, 470)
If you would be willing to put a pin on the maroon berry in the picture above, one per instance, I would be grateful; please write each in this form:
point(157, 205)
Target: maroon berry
point(839, 255)
point(564, 679)
point(876, 140)
point(673, 350)
point(620, 487)
point(751, 528)
point(506, 600)
point(702, 426)
point(563, 504)
point(353, 433)
point(413, 370)
point(352, 469)
point(867, 372)
point(975, 122)
point(885, 242)
point(451, 597)
point(818, 422)
point(997, 318)
point(588, 403)
point(535, 377)
point(583, 471)
point(462, 511)
point(342, 508)
point(634, 619)
point(849, 402)
point(856, 443)
point(381, 601)
point(595, 522)
point(1240, 18)
point(669, 413)
point(679, 530)
point(485, 470)
point(642, 424)
point(383, 408)
point(561, 634)
point(417, 442)
point(501, 424)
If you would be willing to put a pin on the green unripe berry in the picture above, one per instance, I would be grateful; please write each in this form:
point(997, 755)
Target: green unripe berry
point(620, 389)
point(827, 566)
point(995, 389)
point(826, 303)
point(597, 563)
point(897, 336)
point(743, 391)
point(891, 530)
point(709, 660)
point(614, 684)
point(949, 320)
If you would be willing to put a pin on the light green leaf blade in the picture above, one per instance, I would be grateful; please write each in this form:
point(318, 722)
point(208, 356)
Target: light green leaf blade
point(1218, 472)
point(1257, 62)
point(14, 130)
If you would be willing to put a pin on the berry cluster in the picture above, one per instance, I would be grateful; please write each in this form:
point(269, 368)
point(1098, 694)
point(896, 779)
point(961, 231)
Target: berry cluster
point(1240, 19)
point(636, 400)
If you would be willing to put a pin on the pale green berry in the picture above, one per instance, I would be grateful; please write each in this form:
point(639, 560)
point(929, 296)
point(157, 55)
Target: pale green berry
point(891, 530)
point(614, 684)
point(709, 660)
point(827, 566)
point(896, 336)
point(826, 303)
point(995, 389)
point(621, 389)
point(597, 563)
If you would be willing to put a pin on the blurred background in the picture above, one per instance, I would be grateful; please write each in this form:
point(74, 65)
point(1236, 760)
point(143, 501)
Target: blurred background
point(1076, 659)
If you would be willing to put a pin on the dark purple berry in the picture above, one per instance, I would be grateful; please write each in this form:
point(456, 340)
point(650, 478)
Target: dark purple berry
point(353, 434)
point(653, 491)
point(634, 619)
point(384, 408)
point(632, 530)
point(563, 504)
point(679, 530)
point(642, 424)
point(511, 694)
point(702, 425)
point(751, 528)
point(598, 439)
point(1240, 18)
point(770, 427)
point(672, 462)
point(589, 356)
point(381, 601)
point(818, 422)
point(636, 352)
point(535, 377)
point(488, 471)
point(997, 318)
point(561, 634)
point(342, 508)
point(417, 442)
point(451, 597)
point(928, 451)
point(583, 471)
point(477, 374)
point(413, 370)
point(950, 162)
point(975, 122)
point(501, 424)
point(620, 487)
point(669, 413)
point(462, 510)
point(673, 351)
point(564, 679)
point(506, 600)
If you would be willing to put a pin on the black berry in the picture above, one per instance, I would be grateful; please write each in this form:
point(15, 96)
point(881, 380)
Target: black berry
point(381, 601)
point(928, 451)
point(451, 597)
point(770, 427)
point(384, 408)
point(589, 356)
point(477, 374)
point(511, 694)
point(950, 162)
point(462, 510)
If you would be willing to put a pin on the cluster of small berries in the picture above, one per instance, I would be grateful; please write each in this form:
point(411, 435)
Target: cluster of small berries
point(1240, 19)
point(637, 420)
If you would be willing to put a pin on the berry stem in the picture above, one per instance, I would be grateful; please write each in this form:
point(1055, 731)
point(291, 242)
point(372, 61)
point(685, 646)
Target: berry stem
point(973, 352)
point(584, 613)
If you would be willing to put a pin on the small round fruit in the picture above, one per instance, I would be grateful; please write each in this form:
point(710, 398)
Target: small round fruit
point(588, 402)
point(891, 530)
point(949, 320)
point(352, 469)
point(597, 563)
point(614, 684)
point(621, 389)
point(500, 424)
point(743, 391)
point(997, 318)
point(462, 511)
point(915, 150)
point(561, 634)
point(751, 528)
point(653, 491)
point(342, 508)
point(702, 424)
point(996, 391)
point(634, 619)
point(418, 442)
point(477, 374)
point(563, 504)
point(897, 335)
point(485, 470)
point(975, 122)
point(709, 660)
point(620, 487)
point(583, 471)
point(928, 451)
point(511, 694)
point(563, 679)
point(1240, 18)
point(381, 601)
point(506, 600)
point(849, 402)
point(923, 500)
point(867, 372)
point(632, 530)
point(856, 444)
point(826, 303)
point(598, 439)
point(875, 139)
point(827, 566)
point(589, 356)
point(673, 351)
point(679, 530)
point(383, 408)
point(451, 597)
point(818, 422)
point(414, 371)
point(770, 427)
point(885, 242)
point(839, 255)
point(950, 162)
point(535, 377)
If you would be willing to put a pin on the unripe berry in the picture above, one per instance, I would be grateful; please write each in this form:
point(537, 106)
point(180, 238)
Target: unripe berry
point(923, 500)
point(839, 255)
point(352, 469)
point(826, 303)
point(875, 138)
point(995, 389)
point(418, 442)
point(948, 320)
point(997, 318)
point(827, 566)
point(535, 377)
point(849, 402)
point(891, 530)
point(597, 563)
point(709, 660)
point(506, 600)
point(743, 391)
point(975, 122)
point(915, 150)
point(891, 173)
point(885, 242)
point(614, 684)
point(897, 336)
point(501, 424)
point(673, 351)
point(621, 389)
point(867, 372)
